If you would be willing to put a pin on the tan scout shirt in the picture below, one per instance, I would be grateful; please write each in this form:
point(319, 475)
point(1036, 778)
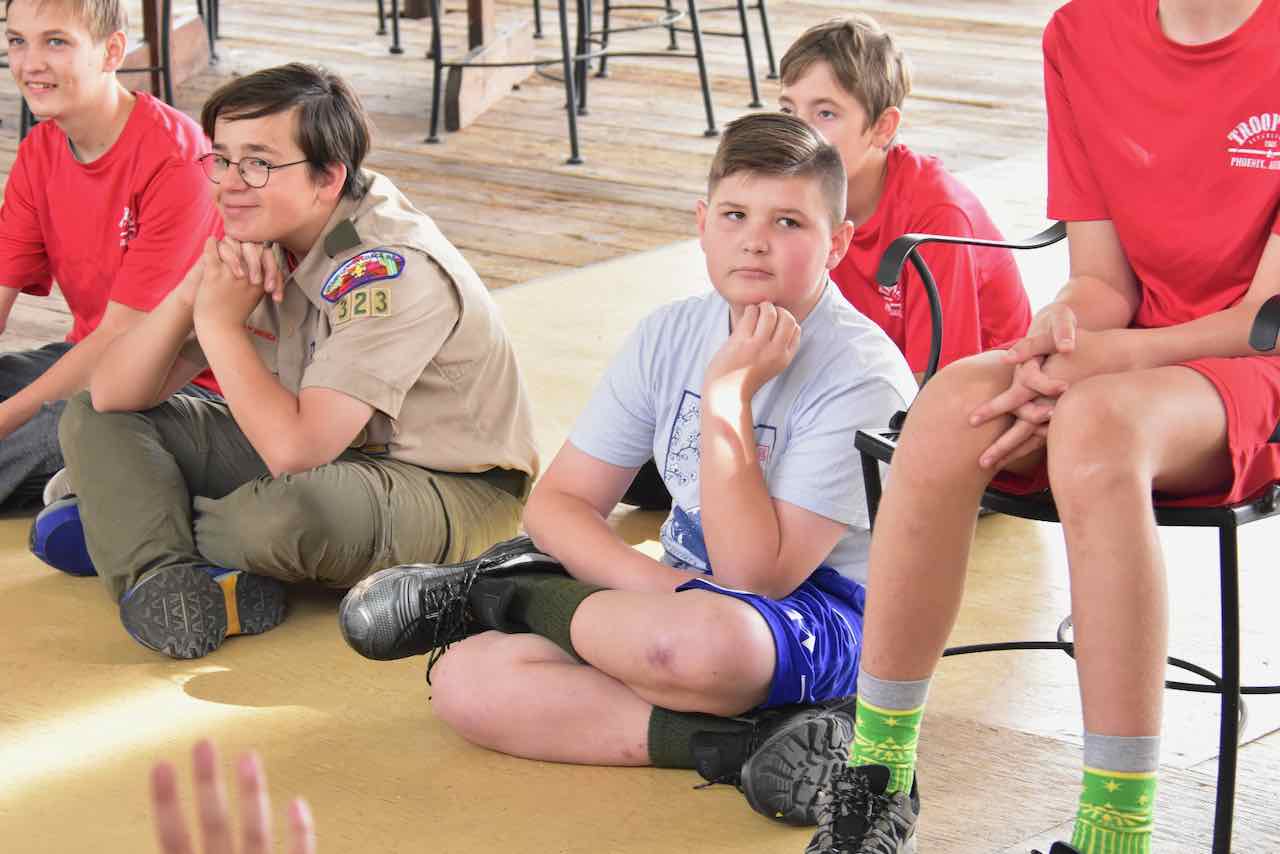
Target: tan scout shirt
point(424, 345)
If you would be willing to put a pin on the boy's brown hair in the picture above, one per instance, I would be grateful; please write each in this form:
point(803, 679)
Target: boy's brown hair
point(332, 124)
point(863, 58)
point(779, 145)
point(100, 17)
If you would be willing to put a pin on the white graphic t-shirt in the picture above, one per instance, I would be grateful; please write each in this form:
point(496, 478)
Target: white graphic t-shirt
point(846, 375)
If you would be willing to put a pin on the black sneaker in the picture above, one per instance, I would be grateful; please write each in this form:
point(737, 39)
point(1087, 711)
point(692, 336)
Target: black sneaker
point(782, 763)
point(858, 817)
point(416, 608)
point(1060, 848)
point(187, 612)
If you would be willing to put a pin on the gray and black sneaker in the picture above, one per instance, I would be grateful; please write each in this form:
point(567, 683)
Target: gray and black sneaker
point(187, 611)
point(784, 761)
point(857, 816)
point(417, 608)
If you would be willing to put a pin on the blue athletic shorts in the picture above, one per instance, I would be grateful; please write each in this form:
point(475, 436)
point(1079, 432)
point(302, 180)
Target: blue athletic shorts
point(817, 633)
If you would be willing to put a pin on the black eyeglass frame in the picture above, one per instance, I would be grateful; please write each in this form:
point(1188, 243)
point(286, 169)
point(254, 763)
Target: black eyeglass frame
point(205, 159)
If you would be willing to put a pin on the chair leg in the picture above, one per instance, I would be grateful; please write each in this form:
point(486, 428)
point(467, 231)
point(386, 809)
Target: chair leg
point(604, 38)
point(570, 97)
point(166, 50)
point(437, 67)
point(537, 19)
point(26, 121)
point(1229, 726)
point(871, 486)
point(583, 66)
point(382, 18)
point(768, 40)
point(395, 27)
point(751, 62)
point(671, 28)
point(702, 69)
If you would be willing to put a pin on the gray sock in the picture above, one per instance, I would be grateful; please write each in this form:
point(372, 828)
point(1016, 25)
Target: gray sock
point(1134, 754)
point(895, 696)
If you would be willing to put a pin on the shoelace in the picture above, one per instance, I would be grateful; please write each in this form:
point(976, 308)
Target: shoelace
point(449, 603)
point(851, 795)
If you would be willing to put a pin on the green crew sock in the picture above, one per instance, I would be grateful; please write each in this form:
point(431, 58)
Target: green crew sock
point(546, 604)
point(887, 728)
point(671, 735)
point(1116, 812)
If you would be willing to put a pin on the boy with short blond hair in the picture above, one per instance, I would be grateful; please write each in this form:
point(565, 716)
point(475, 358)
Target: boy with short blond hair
point(105, 198)
point(848, 79)
point(748, 397)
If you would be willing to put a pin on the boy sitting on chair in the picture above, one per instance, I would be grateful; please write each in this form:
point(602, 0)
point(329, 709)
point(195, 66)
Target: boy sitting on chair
point(748, 396)
point(374, 412)
point(1137, 379)
point(105, 198)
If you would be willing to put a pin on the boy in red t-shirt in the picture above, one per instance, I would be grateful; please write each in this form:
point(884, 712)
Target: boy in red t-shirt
point(105, 198)
point(1137, 379)
point(848, 80)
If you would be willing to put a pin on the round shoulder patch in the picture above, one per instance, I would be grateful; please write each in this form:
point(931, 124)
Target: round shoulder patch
point(370, 266)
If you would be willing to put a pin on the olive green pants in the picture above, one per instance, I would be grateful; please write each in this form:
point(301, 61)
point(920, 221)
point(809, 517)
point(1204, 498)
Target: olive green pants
point(181, 485)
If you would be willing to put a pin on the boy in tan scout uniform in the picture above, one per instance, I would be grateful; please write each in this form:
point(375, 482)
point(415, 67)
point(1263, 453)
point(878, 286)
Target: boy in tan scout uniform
point(374, 411)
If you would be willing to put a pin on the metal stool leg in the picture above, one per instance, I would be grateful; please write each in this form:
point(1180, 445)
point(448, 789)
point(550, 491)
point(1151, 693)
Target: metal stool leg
point(751, 62)
point(584, 47)
point(570, 97)
point(604, 38)
point(537, 19)
point(437, 66)
point(395, 27)
point(1229, 726)
point(382, 18)
point(671, 28)
point(166, 50)
point(768, 40)
point(702, 69)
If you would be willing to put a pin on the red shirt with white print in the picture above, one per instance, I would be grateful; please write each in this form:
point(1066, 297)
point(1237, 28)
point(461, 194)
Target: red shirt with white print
point(983, 301)
point(124, 228)
point(1179, 146)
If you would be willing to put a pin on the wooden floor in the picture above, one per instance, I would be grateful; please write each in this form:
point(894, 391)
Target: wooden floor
point(84, 710)
point(501, 190)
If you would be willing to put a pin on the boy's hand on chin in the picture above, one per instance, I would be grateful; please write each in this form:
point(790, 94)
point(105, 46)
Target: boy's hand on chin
point(761, 346)
point(223, 298)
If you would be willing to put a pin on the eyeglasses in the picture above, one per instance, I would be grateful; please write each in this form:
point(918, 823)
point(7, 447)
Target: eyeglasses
point(253, 170)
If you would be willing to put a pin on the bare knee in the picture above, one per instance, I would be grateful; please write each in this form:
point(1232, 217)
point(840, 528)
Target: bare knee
point(1096, 445)
point(722, 653)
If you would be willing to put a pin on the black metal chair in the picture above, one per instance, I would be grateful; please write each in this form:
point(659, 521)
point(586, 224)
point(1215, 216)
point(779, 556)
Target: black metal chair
point(879, 446)
point(743, 32)
point(208, 9)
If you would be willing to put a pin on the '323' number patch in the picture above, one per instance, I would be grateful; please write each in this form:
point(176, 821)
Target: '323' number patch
point(365, 302)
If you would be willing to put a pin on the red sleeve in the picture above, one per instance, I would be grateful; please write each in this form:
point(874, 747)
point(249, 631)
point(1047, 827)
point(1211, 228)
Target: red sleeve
point(1073, 190)
point(955, 270)
point(22, 252)
point(175, 216)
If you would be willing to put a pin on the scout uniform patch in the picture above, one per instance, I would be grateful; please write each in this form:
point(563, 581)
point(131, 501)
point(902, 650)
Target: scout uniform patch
point(366, 302)
point(370, 266)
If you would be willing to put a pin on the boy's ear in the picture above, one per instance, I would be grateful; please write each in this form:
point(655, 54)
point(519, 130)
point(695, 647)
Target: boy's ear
point(114, 50)
point(841, 237)
point(331, 180)
point(700, 211)
point(886, 127)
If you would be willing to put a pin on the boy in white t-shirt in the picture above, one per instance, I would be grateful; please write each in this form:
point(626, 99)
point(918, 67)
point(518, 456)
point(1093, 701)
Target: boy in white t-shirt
point(748, 397)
